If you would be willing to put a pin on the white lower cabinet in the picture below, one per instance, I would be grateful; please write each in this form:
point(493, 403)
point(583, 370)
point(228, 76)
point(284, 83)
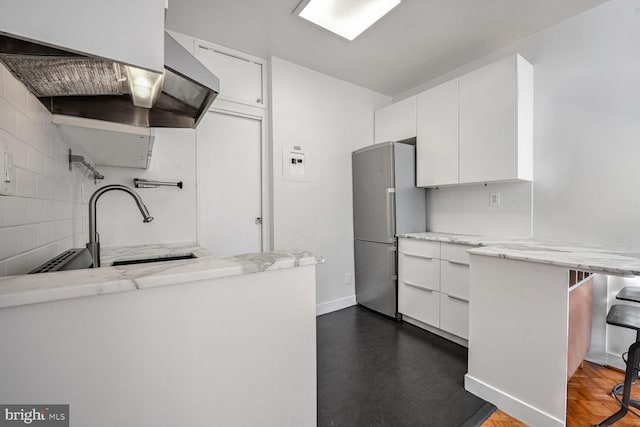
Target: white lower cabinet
point(419, 302)
point(454, 279)
point(454, 316)
point(433, 284)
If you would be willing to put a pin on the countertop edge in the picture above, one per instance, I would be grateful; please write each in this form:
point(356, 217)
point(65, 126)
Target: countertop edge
point(604, 260)
point(66, 285)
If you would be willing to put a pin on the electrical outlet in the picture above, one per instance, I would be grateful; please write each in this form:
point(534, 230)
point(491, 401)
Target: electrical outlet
point(494, 199)
point(347, 279)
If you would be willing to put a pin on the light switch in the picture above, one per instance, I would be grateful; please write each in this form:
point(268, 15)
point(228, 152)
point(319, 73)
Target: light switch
point(7, 175)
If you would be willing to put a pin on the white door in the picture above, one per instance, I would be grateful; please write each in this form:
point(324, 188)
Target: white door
point(437, 128)
point(229, 184)
point(488, 123)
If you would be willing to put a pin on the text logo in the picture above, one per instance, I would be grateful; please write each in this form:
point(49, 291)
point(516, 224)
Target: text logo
point(35, 415)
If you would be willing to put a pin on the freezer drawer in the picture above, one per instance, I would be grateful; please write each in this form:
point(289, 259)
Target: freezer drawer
point(375, 276)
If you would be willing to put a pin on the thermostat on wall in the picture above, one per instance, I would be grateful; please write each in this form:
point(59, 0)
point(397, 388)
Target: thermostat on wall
point(295, 164)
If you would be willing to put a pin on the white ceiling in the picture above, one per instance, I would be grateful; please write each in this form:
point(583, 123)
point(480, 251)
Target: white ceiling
point(417, 41)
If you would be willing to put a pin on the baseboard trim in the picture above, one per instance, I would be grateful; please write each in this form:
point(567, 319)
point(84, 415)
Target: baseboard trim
point(511, 405)
point(444, 334)
point(615, 361)
point(335, 305)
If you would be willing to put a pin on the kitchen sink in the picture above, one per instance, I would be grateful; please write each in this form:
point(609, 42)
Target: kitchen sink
point(154, 259)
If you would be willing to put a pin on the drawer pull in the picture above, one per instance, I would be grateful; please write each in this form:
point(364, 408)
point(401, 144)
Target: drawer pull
point(458, 298)
point(417, 255)
point(415, 285)
point(466, 264)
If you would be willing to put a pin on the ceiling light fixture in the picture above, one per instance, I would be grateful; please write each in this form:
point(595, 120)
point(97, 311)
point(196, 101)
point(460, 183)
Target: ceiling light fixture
point(346, 18)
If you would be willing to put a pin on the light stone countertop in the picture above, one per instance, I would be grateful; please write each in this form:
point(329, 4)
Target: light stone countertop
point(62, 285)
point(126, 253)
point(595, 259)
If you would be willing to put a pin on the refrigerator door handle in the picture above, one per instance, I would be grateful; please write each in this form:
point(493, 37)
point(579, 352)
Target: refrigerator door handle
point(393, 271)
point(391, 220)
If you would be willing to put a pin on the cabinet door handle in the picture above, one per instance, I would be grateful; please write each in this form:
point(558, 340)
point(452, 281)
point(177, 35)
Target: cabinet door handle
point(417, 255)
point(415, 285)
point(466, 264)
point(458, 298)
point(391, 214)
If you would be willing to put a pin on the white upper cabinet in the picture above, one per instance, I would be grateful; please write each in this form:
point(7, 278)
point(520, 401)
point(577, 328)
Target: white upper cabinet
point(437, 136)
point(478, 128)
point(396, 122)
point(130, 32)
point(108, 143)
point(496, 122)
point(240, 78)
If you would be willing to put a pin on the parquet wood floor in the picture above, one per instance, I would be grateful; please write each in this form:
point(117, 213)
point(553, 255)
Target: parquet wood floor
point(588, 400)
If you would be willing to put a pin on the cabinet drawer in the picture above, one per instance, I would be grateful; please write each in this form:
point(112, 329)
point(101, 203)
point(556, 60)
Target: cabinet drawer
point(455, 252)
point(419, 271)
point(419, 303)
point(454, 316)
point(454, 279)
point(423, 248)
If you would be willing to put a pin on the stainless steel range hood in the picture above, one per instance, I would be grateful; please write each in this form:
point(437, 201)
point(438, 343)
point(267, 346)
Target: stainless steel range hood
point(78, 85)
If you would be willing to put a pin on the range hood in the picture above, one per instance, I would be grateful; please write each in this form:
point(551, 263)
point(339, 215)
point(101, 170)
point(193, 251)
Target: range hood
point(73, 84)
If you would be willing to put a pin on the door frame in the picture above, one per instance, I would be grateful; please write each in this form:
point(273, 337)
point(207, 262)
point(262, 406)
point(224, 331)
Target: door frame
point(231, 108)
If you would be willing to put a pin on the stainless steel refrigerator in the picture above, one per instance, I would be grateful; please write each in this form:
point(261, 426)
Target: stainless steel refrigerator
point(386, 202)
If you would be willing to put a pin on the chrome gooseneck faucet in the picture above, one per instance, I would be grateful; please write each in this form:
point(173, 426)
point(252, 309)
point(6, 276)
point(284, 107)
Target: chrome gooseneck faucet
point(94, 238)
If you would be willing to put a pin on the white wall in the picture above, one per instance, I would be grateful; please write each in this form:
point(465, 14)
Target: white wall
point(587, 122)
point(329, 118)
point(45, 216)
point(174, 210)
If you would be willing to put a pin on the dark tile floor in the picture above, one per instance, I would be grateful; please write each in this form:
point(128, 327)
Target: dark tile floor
point(374, 371)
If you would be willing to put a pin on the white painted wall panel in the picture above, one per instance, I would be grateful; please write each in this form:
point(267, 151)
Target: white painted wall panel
point(329, 119)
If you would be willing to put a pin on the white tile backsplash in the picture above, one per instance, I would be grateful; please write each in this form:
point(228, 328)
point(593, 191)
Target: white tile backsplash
point(25, 183)
point(45, 233)
point(44, 217)
point(15, 92)
point(27, 238)
point(467, 209)
point(7, 116)
point(35, 161)
point(2, 71)
point(9, 239)
point(15, 211)
point(20, 151)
